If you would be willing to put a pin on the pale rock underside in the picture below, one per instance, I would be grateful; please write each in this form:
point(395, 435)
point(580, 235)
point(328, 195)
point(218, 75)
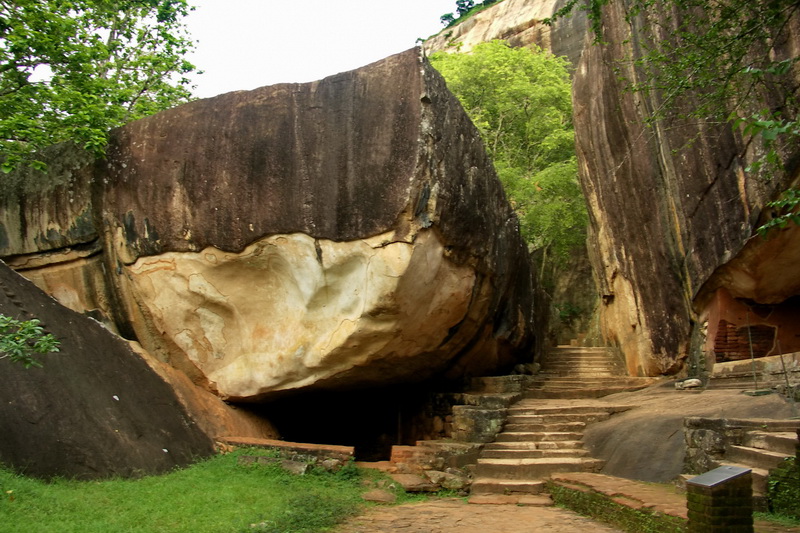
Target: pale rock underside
point(291, 311)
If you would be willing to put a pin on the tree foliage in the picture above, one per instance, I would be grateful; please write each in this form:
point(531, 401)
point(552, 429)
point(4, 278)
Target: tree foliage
point(520, 101)
point(70, 70)
point(464, 9)
point(716, 60)
point(22, 340)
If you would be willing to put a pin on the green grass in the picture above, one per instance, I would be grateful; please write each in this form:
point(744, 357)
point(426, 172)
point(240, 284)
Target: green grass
point(217, 495)
point(777, 519)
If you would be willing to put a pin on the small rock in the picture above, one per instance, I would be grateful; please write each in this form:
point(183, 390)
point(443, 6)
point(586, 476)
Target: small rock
point(414, 483)
point(692, 383)
point(379, 496)
point(447, 480)
point(331, 465)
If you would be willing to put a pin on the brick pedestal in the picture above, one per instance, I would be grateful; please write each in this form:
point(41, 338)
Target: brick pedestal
point(721, 501)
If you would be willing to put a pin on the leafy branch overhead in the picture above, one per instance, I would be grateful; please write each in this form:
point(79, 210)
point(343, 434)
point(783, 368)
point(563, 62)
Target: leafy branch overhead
point(22, 341)
point(71, 70)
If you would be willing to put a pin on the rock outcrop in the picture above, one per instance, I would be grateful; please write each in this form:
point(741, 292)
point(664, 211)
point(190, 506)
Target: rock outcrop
point(669, 204)
point(520, 22)
point(349, 232)
point(94, 409)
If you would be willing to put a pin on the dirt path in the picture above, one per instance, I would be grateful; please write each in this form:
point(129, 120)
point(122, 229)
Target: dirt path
point(451, 515)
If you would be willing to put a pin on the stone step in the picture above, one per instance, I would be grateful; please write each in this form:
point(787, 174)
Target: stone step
point(499, 384)
point(577, 374)
point(580, 349)
point(534, 454)
point(525, 436)
point(572, 384)
point(491, 400)
point(578, 363)
point(546, 427)
point(575, 394)
point(754, 457)
point(556, 418)
point(783, 442)
point(534, 468)
point(487, 485)
point(537, 408)
point(541, 445)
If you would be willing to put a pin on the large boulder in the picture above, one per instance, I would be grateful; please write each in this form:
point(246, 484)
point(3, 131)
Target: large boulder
point(349, 232)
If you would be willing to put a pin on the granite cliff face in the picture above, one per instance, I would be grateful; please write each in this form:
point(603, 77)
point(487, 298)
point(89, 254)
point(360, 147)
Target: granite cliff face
point(520, 23)
point(344, 233)
point(671, 207)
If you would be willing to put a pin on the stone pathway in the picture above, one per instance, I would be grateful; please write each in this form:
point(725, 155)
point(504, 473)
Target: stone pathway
point(454, 515)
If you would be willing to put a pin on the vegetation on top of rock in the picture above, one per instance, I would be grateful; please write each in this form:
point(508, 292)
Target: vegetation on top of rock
point(520, 101)
point(464, 10)
point(71, 71)
point(717, 61)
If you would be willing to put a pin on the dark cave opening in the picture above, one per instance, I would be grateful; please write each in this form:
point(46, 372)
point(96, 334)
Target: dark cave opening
point(371, 420)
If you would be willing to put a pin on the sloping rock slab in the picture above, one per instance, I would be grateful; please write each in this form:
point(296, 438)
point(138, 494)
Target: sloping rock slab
point(95, 409)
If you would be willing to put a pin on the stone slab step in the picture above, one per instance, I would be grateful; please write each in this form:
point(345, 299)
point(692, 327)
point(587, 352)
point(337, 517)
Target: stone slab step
point(327, 451)
point(527, 436)
point(515, 426)
point(534, 468)
point(754, 457)
point(782, 442)
point(555, 394)
point(581, 374)
point(491, 400)
point(486, 485)
point(534, 454)
point(522, 500)
point(527, 445)
point(557, 419)
point(536, 408)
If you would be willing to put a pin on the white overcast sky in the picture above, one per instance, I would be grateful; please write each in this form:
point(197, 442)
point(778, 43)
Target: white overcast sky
point(244, 44)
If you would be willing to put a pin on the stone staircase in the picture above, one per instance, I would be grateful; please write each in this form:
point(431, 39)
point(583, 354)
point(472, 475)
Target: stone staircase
point(762, 450)
point(543, 432)
point(582, 372)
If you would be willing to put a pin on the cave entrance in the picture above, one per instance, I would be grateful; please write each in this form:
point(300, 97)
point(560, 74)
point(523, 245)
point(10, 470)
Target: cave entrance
point(371, 420)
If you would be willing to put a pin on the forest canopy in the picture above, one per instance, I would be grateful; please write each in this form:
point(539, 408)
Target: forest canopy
point(520, 100)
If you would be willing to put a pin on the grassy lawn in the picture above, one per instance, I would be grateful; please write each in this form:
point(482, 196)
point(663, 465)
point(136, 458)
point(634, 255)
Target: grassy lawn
point(217, 495)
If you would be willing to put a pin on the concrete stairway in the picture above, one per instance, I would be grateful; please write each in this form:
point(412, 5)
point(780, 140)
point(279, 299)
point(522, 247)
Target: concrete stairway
point(543, 433)
point(582, 372)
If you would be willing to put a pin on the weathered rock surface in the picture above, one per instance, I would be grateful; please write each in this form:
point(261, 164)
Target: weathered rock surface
point(94, 409)
point(520, 23)
point(672, 208)
point(669, 205)
point(347, 232)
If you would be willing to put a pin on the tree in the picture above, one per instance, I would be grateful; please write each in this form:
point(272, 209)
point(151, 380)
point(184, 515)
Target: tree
point(520, 101)
point(21, 340)
point(70, 70)
point(463, 6)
